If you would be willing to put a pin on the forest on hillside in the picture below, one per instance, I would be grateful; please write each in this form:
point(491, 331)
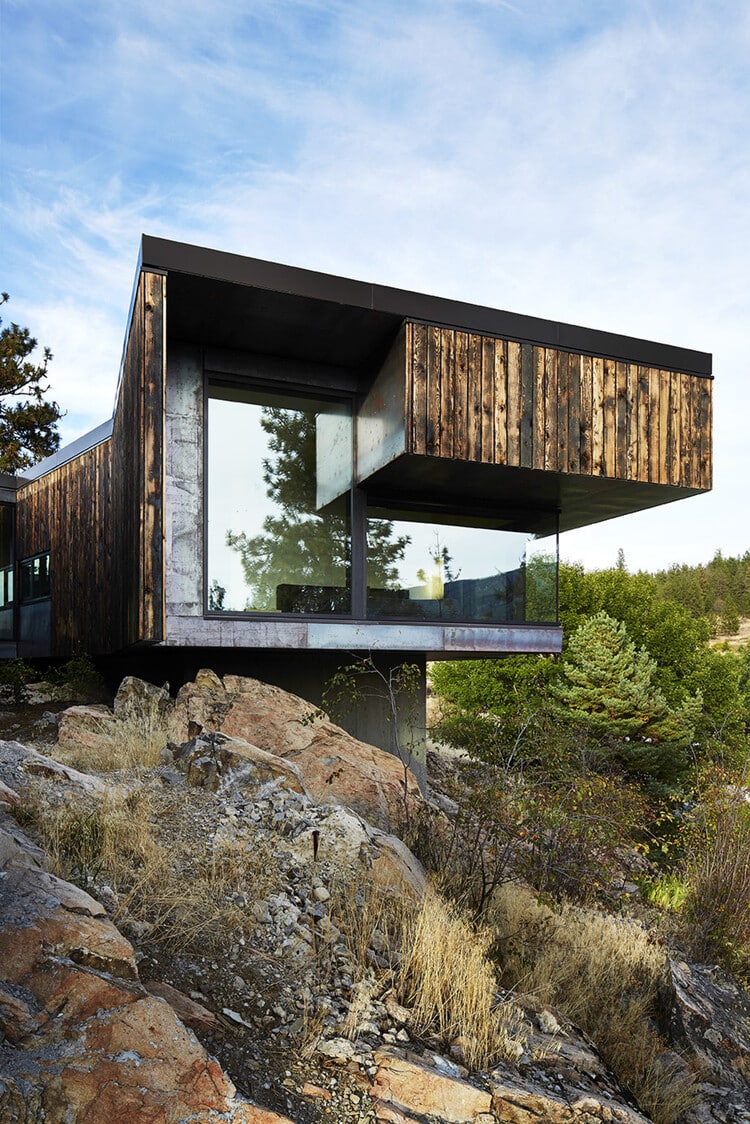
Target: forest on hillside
point(718, 590)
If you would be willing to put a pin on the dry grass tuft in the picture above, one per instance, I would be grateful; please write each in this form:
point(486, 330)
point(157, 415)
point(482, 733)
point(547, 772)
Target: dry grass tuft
point(716, 912)
point(128, 741)
point(605, 974)
point(90, 838)
point(440, 971)
point(447, 979)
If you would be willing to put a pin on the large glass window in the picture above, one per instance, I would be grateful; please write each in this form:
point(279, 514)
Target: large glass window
point(279, 483)
point(458, 568)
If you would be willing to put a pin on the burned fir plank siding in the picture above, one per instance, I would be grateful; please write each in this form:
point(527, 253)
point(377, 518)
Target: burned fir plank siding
point(138, 470)
point(68, 512)
point(501, 402)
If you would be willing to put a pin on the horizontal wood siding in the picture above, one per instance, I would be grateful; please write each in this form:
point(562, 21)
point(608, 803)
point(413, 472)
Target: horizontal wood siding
point(138, 472)
point(496, 401)
point(68, 512)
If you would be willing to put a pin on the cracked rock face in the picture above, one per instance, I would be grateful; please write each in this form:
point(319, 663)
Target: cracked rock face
point(336, 767)
point(82, 1040)
point(710, 1025)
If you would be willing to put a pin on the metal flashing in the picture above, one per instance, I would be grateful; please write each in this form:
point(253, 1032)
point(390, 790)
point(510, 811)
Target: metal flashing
point(68, 452)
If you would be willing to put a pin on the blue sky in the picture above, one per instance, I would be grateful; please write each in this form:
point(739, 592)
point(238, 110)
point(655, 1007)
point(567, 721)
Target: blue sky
point(583, 161)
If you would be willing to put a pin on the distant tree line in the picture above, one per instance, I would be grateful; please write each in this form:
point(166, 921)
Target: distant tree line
point(719, 589)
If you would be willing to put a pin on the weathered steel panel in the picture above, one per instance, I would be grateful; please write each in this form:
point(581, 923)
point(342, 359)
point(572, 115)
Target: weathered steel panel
point(507, 638)
point(381, 424)
point(183, 489)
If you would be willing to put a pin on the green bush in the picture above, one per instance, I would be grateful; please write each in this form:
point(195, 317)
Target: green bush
point(78, 677)
point(16, 674)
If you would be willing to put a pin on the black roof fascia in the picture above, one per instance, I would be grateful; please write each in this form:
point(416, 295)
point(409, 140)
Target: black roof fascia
point(164, 255)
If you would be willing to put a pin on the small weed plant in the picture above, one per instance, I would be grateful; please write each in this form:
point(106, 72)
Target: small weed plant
point(15, 676)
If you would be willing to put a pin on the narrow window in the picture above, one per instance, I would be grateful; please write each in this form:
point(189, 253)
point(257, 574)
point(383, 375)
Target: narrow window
point(6, 571)
point(35, 578)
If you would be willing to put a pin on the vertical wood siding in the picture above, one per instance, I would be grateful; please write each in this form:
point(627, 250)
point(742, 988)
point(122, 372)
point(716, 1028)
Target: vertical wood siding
point(101, 515)
point(138, 471)
point(69, 513)
point(494, 401)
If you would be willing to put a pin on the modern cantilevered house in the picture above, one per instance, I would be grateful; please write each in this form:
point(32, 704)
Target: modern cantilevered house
point(300, 467)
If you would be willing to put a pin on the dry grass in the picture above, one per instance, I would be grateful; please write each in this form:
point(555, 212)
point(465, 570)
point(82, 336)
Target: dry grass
point(440, 971)
point(605, 974)
point(89, 839)
point(132, 740)
point(187, 894)
point(716, 913)
point(446, 978)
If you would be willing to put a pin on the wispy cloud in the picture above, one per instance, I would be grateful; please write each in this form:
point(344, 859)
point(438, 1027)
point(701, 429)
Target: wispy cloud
point(582, 161)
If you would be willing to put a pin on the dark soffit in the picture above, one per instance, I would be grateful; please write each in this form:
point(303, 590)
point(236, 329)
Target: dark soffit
point(522, 498)
point(228, 300)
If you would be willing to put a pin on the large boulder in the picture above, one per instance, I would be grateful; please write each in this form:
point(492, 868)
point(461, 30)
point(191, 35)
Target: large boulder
point(19, 763)
point(342, 840)
point(82, 1040)
point(215, 760)
point(336, 767)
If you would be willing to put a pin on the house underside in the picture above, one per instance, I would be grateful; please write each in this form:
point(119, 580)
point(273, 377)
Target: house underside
point(301, 467)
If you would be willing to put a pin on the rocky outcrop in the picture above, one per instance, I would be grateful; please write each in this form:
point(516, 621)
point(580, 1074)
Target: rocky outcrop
point(82, 1039)
point(214, 760)
point(710, 1032)
point(335, 766)
point(406, 1090)
point(86, 727)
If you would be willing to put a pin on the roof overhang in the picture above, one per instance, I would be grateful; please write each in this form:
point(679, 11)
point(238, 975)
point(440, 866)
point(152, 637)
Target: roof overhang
point(228, 300)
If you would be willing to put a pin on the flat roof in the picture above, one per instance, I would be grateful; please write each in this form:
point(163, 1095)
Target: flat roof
point(234, 301)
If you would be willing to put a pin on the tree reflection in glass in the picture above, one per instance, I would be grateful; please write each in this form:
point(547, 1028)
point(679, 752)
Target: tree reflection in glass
point(280, 503)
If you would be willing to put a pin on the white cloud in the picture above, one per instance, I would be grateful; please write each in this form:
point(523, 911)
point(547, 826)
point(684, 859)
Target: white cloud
point(582, 162)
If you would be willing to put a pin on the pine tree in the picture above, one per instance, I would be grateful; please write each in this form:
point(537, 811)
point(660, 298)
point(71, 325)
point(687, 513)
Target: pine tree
point(28, 423)
point(609, 685)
